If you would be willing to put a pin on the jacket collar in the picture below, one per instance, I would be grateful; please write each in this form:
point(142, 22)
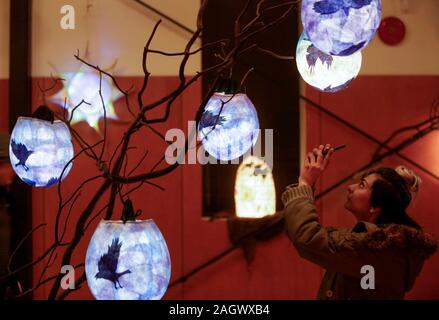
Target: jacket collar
point(399, 236)
point(364, 226)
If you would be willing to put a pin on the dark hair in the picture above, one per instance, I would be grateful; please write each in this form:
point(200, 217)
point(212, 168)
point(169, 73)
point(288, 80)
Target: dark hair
point(392, 193)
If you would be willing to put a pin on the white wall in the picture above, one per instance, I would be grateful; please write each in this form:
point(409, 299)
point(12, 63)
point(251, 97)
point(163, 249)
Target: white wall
point(114, 29)
point(4, 39)
point(119, 29)
point(418, 53)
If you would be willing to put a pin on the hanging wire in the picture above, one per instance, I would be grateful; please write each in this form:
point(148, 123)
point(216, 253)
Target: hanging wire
point(166, 17)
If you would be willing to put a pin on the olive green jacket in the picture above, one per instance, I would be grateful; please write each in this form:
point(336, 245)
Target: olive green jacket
point(396, 252)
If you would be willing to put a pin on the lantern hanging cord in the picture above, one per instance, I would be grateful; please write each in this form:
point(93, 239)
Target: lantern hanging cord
point(433, 119)
point(166, 17)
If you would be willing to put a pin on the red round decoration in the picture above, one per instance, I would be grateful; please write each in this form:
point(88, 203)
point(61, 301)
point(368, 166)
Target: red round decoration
point(391, 30)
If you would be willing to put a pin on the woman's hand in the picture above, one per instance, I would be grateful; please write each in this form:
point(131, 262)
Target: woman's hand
point(315, 163)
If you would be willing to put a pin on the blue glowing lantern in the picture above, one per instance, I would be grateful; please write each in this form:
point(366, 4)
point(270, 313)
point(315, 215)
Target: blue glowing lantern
point(128, 261)
point(323, 71)
point(39, 150)
point(229, 126)
point(341, 27)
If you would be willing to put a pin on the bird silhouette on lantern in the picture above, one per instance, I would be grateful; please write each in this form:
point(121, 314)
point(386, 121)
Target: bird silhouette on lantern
point(21, 152)
point(107, 264)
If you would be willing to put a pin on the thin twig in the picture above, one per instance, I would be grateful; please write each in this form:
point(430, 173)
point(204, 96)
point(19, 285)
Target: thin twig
point(95, 216)
point(139, 162)
point(11, 258)
point(222, 43)
point(105, 117)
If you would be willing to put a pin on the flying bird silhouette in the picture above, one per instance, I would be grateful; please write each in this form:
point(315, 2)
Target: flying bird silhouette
point(29, 182)
point(313, 54)
point(332, 6)
point(107, 264)
point(349, 50)
point(52, 182)
point(209, 120)
point(21, 152)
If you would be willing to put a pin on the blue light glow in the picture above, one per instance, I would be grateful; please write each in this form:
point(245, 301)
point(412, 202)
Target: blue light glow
point(341, 27)
point(139, 268)
point(39, 151)
point(229, 126)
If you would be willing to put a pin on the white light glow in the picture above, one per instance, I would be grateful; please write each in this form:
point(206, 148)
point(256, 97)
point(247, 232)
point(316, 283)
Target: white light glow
point(325, 72)
point(255, 194)
point(84, 85)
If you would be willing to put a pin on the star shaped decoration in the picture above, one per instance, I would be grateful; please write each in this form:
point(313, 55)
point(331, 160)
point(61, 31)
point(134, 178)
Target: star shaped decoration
point(84, 85)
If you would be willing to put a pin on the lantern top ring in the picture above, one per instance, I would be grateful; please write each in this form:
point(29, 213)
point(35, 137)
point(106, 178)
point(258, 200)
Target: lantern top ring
point(128, 221)
point(40, 120)
point(237, 94)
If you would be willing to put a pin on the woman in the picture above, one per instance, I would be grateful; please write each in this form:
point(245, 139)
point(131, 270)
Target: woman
point(384, 238)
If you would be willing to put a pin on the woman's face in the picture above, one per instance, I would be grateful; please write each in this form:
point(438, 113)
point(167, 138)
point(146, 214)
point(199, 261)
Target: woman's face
point(358, 199)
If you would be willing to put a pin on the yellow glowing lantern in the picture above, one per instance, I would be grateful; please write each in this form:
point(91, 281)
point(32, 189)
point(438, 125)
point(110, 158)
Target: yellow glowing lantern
point(255, 196)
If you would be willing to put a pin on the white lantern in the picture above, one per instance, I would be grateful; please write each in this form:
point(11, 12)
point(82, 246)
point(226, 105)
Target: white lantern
point(128, 261)
point(39, 150)
point(229, 126)
point(323, 71)
point(341, 27)
point(255, 195)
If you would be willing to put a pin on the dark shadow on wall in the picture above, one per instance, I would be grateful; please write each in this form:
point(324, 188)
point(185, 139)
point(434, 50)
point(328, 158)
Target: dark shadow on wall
point(273, 87)
point(20, 105)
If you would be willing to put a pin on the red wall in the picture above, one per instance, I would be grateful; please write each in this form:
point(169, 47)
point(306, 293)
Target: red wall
point(380, 105)
point(163, 207)
point(277, 271)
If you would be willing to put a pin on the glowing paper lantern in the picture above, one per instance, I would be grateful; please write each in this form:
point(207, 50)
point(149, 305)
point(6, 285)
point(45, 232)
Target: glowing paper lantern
point(229, 126)
point(128, 261)
point(84, 85)
point(39, 151)
point(255, 195)
point(341, 27)
point(323, 71)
